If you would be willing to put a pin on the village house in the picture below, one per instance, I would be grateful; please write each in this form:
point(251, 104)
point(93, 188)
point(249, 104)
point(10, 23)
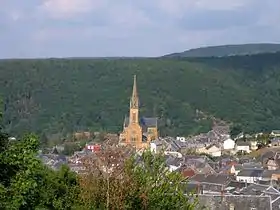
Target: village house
point(234, 202)
point(275, 142)
point(272, 164)
point(213, 150)
point(157, 146)
point(93, 147)
point(250, 175)
point(275, 133)
point(242, 146)
point(229, 144)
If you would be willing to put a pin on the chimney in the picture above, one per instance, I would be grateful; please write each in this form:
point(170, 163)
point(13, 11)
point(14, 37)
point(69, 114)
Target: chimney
point(222, 193)
point(199, 189)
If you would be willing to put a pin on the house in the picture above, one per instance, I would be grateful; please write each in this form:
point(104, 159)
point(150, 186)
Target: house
point(156, 146)
point(275, 142)
point(272, 164)
point(270, 177)
point(173, 146)
point(275, 133)
point(253, 145)
point(93, 147)
point(229, 144)
point(212, 150)
point(211, 183)
point(249, 175)
point(263, 190)
point(242, 146)
point(233, 202)
point(173, 163)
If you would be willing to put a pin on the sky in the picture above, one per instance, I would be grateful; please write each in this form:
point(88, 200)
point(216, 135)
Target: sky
point(104, 28)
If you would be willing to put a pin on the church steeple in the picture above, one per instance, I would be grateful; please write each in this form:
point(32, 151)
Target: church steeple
point(134, 105)
point(134, 101)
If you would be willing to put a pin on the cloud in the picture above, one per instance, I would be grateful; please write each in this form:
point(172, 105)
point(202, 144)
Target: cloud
point(64, 28)
point(70, 8)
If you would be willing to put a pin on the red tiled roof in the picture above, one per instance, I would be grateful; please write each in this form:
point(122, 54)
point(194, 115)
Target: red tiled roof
point(188, 173)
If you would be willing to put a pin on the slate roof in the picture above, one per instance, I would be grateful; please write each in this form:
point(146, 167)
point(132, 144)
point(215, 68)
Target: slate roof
point(242, 143)
point(158, 142)
point(240, 202)
point(258, 189)
point(191, 188)
point(145, 122)
point(219, 179)
point(235, 186)
point(173, 161)
point(275, 140)
point(255, 172)
point(267, 174)
point(148, 121)
point(252, 165)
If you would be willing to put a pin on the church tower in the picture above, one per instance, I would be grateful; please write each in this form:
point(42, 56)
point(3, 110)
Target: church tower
point(137, 133)
point(134, 105)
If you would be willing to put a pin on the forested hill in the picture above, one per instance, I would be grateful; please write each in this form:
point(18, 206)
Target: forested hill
point(228, 50)
point(65, 95)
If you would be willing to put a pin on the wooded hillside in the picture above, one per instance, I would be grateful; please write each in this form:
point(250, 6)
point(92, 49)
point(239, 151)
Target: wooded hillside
point(65, 95)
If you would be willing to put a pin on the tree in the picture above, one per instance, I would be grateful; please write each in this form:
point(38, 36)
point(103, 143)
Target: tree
point(126, 181)
point(44, 141)
point(157, 188)
point(235, 130)
point(25, 183)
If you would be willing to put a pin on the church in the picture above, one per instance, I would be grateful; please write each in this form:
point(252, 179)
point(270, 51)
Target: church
point(138, 131)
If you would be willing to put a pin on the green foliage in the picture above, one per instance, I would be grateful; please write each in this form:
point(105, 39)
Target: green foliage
point(235, 130)
point(147, 184)
point(59, 96)
point(158, 188)
point(25, 183)
point(70, 148)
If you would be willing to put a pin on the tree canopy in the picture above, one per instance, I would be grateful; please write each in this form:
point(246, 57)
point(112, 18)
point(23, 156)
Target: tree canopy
point(59, 96)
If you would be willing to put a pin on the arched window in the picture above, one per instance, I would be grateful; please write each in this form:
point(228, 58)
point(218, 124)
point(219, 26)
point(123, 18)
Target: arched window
point(133, 136)
point(134, 117)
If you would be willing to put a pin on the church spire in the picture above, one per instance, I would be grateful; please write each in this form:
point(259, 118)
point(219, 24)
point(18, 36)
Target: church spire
point(134, 101)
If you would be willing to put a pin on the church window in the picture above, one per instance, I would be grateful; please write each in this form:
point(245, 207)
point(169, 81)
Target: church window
point(134, 117)
point(150, 130)
point(133, 136)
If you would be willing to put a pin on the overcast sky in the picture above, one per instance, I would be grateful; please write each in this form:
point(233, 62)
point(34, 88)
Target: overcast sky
point(91, 28)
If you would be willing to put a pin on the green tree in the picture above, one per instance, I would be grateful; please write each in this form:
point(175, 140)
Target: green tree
point(137, 182)
point(25, 183)
point(157, 187)
point(235, 130)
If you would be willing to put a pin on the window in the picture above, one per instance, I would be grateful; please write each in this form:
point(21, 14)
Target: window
point(150, 130)
point(134, 117)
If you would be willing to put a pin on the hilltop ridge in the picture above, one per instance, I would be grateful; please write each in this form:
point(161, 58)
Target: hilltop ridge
point(228, 50)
